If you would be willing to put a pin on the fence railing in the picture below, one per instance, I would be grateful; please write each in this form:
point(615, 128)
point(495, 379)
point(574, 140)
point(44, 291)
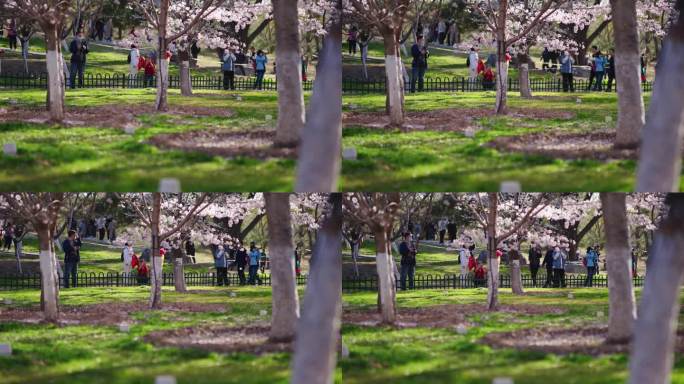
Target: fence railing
point(456, 281)
point(243, 83)
point(32, 280)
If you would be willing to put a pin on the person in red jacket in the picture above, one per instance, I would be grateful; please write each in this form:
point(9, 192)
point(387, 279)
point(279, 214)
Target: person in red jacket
point(472, 264)
point(480, 275)
point(145, 63)
point(143, 272)
point(480, 67)
point(488, 79)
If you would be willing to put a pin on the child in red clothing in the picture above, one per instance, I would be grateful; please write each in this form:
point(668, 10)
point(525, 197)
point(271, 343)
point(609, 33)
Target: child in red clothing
point(480, 275)
point(143, 271)
point(146, 64)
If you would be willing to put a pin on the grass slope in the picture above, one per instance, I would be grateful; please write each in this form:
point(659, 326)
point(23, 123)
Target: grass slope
point(437, 355)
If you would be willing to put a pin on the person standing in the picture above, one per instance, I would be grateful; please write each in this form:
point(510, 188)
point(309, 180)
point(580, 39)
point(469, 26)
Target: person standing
point(100, 223)
point(221, 264)
point(546, 58)
point(548, 263)
point(133, 57)
point(451, 230)
point(442, 226)
point(8, 236)
point(592, 65)
point(228, 68)
point(111, 230)
point(190, 250)
point(441, 31)
point(558, 268)
point(260, 67)
point(254, 258)
point(12, 34)
point(473, 59)
point(591, 261)
point(352, 39)
point(600, 70)
point(241, 262)
point(71, 259)
point(610, 70)
point(408, 261)
point(127, 255)
point(535, 256)
point(79, 50)
point(419, 64)
point(567, 72)
point(463, 253)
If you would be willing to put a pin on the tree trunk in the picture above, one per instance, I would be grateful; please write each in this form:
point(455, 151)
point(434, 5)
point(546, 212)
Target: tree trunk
point(48, 274)
point(501, 107)
point(386, 280)
point(55, 95)
point(285, 301)
point(660, 161)
point(185, 81)
point(289, 59)
point(157, 261)
point(492, 260)
point(627, 74)
point(524, 76)
point(516, 278)
point(318, 331)
point(618, 263)
point(395, 83)
point(652, 351)
point(161, 103)
point(318, 168)
point(179, 275)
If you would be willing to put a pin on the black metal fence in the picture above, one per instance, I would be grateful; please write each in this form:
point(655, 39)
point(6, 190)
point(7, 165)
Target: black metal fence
point(456, 281)
point(32, 280)
point(243, 83)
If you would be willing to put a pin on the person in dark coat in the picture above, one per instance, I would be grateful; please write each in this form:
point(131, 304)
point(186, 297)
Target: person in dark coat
point(408, 261)
point(79, 50)
point(610, 70)
point(548, 263)
point(190, 250)
point(419, 64)
point(535, 256)
point(241, 263)
point(71, 258)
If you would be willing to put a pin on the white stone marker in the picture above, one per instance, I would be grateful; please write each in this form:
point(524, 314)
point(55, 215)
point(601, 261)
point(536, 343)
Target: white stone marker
point(9, 149)
point(8, 301)
point(510, 187)
point(129, 129)
point(165, 379)
point(238, 98)
point(579, 101)
point(469, 132)
point(599, 314)
point(345, 351)
point(571, 296)
point(461, 329)
point(502, 380)
point(233, 294)
point(169, 185)
point(5, 350)
point(349, 153)
point(263, 312)
point(609, 119)
point(268, 117)
point(124, 328)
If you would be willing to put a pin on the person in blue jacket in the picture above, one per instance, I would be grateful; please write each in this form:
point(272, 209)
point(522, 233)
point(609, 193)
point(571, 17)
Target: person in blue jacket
point(221, 264)
point(600, 63)
point(254, 258)
point(591, 261)
point(559, 260)
point(260, 62)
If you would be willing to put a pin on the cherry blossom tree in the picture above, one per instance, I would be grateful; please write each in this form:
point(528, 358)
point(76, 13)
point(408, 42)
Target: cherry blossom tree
point(164, 216)
point(378, 212)
point(502, 217)
point(388, 18)
point(41, 210)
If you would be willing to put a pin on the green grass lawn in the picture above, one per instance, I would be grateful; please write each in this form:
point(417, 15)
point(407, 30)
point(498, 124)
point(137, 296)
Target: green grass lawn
point(439, 355)
point(101, 354)
point(88, 158)
point(105, 159)
point(450, 161)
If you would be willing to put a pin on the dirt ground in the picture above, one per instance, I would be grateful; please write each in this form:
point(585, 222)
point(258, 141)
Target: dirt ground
point(253, 339)
point(100, 314)
point(448, 120)
point(587, 340)
point(110, 116)
point(257, 143)
point(442, 316)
